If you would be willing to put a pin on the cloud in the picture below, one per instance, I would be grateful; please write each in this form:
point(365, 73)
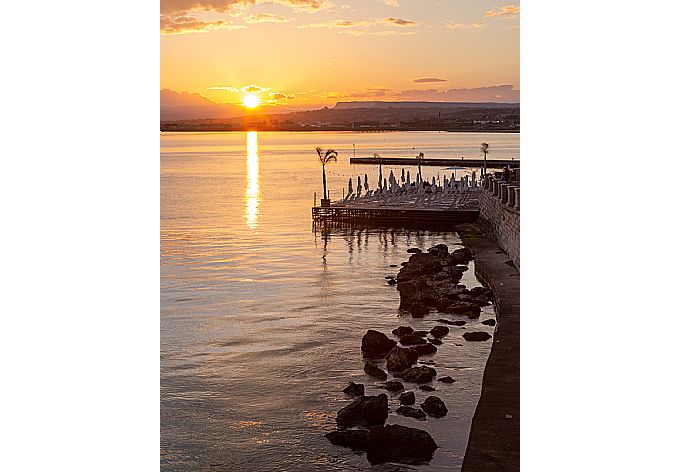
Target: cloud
point(189, 24)
point(508, 11)
point(253, 88)
point(428, 79)
point(227, 88)
point(399, 21)
point(266, 18)
point(275, 96)
point(180, 6)
point(333, 24)
point(465, 25)
point(391, 3)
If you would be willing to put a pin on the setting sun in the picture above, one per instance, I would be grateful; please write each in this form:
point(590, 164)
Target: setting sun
point(251, 101)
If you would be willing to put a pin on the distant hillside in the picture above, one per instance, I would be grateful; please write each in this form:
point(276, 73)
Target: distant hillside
point(382, 104)
point(189, 106)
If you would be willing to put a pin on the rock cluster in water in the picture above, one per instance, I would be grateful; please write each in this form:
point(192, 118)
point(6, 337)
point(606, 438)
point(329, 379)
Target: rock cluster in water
point(427, 281)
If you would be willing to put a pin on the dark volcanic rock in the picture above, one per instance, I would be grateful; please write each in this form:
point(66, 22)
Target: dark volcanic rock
point(376, 344)
point(434, 406)
point(439, 331)
point(421, 333)
point(461, 256)
point(421, 374)
point(392, 282)
point(365, 411)
point(373, 370)
point(477, 291)
point(411, 339)
point(393, 265)
point(440, 250)
point(396, 443)
point(412, 412)
point(491, 322)
point(407, 398)
point(427, 388)
point(481, 301)
point(400, 359)
point(354, 389)
point(454, 323)
point(465, 308)
point(402, 331)
point(435, 341)
point(476, 336)
point(446, 379)
point(393, 385)
point(414, 250)
point(423, 349)
point(354, 439)
point(418, 310)
point(444, 302)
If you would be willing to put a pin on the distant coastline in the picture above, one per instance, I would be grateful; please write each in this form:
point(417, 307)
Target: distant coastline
point(223, 129)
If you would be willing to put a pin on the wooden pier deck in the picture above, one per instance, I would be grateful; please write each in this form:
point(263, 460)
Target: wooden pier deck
point(411, 161)
point(394, 216)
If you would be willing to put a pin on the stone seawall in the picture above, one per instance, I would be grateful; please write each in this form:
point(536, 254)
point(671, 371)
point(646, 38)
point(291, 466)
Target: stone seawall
point(502, 222)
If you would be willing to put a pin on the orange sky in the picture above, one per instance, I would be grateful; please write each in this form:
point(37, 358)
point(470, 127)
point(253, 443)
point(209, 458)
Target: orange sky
point(312, 53)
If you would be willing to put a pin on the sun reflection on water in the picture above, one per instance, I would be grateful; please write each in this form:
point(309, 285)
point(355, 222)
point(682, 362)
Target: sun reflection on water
point(252, 193)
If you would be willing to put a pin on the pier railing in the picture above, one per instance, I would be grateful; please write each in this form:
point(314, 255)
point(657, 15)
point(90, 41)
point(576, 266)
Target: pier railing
point(506, 191)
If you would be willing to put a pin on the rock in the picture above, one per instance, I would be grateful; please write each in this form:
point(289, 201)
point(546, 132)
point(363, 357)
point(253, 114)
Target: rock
point(476, 336)
point(392, 282)
point(461, 256)
point(424, 349)
point(414, 250)
point(407, 398)
point(429, 362)
point(427, 388)
point(411, 339)
point(354, 389)
point(402, 331)
point(435, 341)
point(434, 406)
point(393, 385)
point(393, 265)
point(421, 333)
point(491, 322)
point(480, 301)
point(440, 250)
point(446, 379)
point(365, 411)
point(421, 374)
point(396, 443)
point(444, 302)
point(412, 412)
point(373, 370)
point(465, 308)
point(355, 439)
point(418, 310)
point(439, 331)
point(400, 359)
point(389, 277)
point(454, 323)
point(481, 291)
point(376, 344)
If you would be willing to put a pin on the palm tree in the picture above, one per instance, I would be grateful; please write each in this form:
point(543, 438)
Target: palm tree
point(420, 158)
point(325, 158)
point(485, 150)
point(378, 158)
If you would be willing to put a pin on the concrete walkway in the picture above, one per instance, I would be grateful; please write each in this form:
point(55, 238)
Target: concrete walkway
point(494, 443)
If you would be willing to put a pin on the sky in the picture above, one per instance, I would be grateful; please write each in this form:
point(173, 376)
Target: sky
point(301, 54)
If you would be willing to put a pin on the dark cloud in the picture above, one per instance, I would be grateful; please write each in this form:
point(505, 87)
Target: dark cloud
point(399, 21)
point(428, 79)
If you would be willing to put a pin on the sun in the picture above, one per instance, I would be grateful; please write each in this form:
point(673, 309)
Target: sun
point(251, 101)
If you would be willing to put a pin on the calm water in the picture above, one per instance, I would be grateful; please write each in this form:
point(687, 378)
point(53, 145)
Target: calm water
point(262, 318)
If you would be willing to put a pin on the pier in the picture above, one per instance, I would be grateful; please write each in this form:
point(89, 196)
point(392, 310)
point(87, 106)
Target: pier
point(413, 162)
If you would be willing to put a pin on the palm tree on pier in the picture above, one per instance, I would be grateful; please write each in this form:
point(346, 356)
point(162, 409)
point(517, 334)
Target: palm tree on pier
point(420, 158)
point(485, 150)
point(325, 158)
point(378, 158)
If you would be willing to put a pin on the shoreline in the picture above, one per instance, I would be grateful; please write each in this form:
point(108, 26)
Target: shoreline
point(494, 441)
point(309, 130)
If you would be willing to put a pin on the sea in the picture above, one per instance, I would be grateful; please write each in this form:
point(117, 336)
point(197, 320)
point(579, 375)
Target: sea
point(262, 313)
